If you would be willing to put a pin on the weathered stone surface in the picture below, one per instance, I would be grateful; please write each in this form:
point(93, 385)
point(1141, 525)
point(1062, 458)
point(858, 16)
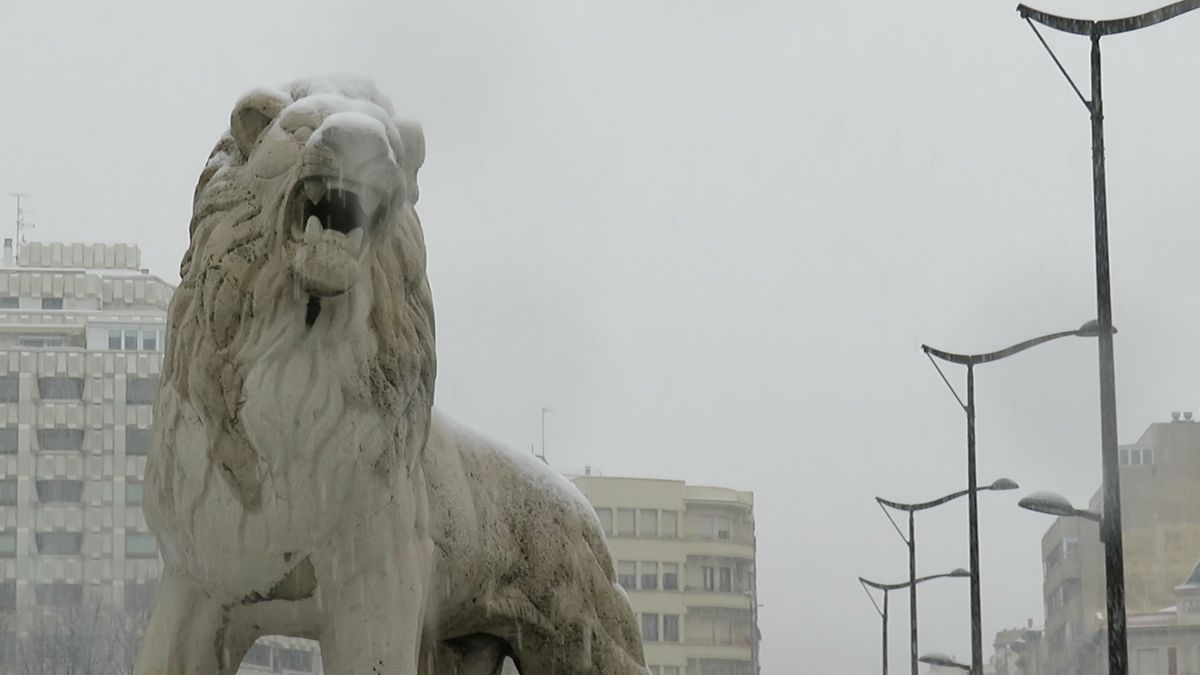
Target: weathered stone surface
point(302, 483)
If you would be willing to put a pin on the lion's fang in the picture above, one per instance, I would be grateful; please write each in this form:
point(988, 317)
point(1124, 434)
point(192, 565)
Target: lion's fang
point(312, 230)
point(314, 189)
point(356, 239)
point(369, 201)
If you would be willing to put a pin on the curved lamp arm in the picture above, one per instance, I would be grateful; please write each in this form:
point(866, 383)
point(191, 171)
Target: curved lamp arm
point(999, 484)
point(960, 572)
point(1109, 26)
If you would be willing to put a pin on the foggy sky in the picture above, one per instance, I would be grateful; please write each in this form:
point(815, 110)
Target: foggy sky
point(713, 236)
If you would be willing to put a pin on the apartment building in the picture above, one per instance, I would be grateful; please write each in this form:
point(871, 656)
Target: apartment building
point(686, 556)
point(1160, 513)
point(81, 347)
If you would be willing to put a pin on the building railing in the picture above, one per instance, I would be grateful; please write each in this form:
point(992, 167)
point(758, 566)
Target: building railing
point(1155, 619)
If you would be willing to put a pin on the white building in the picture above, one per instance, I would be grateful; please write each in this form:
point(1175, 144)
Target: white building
point(686, 556)
point(81, 342)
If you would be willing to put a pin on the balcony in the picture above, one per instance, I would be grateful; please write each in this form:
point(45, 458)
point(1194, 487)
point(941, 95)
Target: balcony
point(741, 651)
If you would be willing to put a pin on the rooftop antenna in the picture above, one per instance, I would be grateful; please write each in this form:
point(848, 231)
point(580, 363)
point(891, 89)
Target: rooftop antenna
point(21, 224)
point(543, 455)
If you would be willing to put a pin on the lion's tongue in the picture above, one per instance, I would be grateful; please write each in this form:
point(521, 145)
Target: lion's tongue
point(314, 233)
point(327, 260)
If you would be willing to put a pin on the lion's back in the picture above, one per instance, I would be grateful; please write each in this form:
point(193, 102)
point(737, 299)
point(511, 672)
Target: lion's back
point(539, 552)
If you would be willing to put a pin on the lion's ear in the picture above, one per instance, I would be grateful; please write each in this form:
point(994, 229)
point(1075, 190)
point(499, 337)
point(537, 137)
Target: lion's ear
point(253, 113)
point(414, 154)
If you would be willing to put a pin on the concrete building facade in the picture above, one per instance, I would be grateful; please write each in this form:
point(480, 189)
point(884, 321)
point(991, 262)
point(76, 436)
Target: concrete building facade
point(686, 556)
point(81, 346)
point(1160, 481)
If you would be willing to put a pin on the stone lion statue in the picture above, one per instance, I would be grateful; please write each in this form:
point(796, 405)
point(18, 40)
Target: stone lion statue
point(302, 483)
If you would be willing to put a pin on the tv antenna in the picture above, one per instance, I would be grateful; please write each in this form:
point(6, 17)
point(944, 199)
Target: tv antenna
point(22, 225)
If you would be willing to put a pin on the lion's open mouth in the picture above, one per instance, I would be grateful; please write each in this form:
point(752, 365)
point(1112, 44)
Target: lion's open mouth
point(331, 221)
point(329, 206)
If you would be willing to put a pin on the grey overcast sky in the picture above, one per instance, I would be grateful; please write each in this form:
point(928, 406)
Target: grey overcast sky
point(712, 236)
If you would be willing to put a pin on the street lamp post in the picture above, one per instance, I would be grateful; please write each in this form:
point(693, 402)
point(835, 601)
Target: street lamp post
point(1111, 527)
point(887, 588)
point(911, 541)
point(1089, 329)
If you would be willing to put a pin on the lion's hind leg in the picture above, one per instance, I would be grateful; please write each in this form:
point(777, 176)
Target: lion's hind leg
point(574, 637)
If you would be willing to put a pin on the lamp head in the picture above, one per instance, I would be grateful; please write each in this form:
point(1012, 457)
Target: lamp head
point(1048, 502)
point(943, 661)
point(1091, 329)
point(1003, 484)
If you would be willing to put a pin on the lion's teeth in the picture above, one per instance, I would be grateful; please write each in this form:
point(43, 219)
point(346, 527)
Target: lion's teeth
point(369, 201)
point(314, 189)
point(355, 238)
point(312, 230)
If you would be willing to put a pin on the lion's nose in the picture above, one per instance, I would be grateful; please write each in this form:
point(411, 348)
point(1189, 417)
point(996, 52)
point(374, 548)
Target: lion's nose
point(356, 139)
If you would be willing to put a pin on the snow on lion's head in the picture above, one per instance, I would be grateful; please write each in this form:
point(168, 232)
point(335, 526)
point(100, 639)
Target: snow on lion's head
point(304, 241)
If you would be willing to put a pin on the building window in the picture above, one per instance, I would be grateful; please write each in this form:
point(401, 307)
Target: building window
point(10, 389)
point(710, 578)
point(141, 390)
point(625, 522)
point(139, 597)
point(670, 576)
point(8, 648)
point(648, 523)
point(627, 574)
point(724, 528)
point(59, 543)
point(60, 439)
point(258, 655)
point(69, 491)
point(1191, 605)
point(670, 670)
point(1136, 457)
point(138, 441)
point(8, 596)
point(8, 544)
point(605, 516)
point(140, 545)
point(58, 594)
point(10, 303)
point(60, 388)
point(39, 341)
point(649, 628)
point(136, 339)
point(649, 576)
point(726, 580)
point(134, 491)
point(52, 303)
point(8, 440)
point(669, 522)
point(297, 660)
point(670, 628)
point(8, 492)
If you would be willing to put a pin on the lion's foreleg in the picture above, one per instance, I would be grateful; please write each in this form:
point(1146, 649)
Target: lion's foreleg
point(189, 634)
point(372, 588)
